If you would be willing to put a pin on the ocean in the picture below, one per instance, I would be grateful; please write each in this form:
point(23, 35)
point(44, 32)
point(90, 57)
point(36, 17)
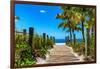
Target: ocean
point(60, 41)
point(63, 40)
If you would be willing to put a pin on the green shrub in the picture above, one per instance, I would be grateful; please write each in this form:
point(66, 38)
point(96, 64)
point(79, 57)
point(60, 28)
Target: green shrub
point(23, 55)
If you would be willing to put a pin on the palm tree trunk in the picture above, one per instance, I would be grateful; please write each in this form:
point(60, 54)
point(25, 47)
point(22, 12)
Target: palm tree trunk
point(88, 41)
point(70, 29)
point(83, 30)
point(74, 37)
point(70, 36)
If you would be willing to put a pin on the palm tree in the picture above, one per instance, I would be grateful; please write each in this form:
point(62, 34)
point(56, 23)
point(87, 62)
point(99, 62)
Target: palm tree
point(74, 16)
point(70, 15)
point(65, 16)
point(90, 25)
point(82, 11)
point(86, 25)
point(64, 25)
point(16, 19)
point(85, 12)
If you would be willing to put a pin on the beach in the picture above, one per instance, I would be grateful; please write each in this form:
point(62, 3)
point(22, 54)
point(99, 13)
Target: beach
point(59, 44)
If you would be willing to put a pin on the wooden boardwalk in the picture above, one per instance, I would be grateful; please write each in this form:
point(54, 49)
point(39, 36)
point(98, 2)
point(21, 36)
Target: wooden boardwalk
point(62, 54)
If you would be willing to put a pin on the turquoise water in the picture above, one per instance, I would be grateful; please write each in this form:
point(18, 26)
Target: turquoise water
point(60, 40)
point(63, 40)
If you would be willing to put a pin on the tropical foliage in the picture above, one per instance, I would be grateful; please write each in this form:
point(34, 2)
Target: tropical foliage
point(79, 19)
point(30, 46)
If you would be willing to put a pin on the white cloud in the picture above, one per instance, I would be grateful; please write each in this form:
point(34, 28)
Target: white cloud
point(42, 11)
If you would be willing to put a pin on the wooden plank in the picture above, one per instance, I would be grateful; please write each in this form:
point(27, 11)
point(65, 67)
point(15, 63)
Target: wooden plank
point(62, 54)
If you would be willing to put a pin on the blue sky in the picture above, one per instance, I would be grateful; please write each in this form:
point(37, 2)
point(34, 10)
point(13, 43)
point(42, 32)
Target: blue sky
point(42, 18)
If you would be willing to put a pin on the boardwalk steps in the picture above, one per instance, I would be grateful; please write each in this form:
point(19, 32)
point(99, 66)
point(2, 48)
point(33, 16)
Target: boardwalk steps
point(62, 54)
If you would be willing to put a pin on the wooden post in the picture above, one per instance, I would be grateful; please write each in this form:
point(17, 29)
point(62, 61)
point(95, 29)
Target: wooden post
point(53, 40)
point(47, 40)
point(67, 39)
point(47, 37)
point(44, 40)
point(24, 31)
point(44, 37)
point(31, 36)
point(31, 30)
point(50, 37)
point(24, 34)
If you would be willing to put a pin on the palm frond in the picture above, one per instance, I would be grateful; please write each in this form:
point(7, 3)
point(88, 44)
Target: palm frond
point(17, 18)
point(63, 25)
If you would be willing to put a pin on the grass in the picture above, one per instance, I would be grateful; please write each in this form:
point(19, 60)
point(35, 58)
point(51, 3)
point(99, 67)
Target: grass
point(25, 54)
point(79, 48)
